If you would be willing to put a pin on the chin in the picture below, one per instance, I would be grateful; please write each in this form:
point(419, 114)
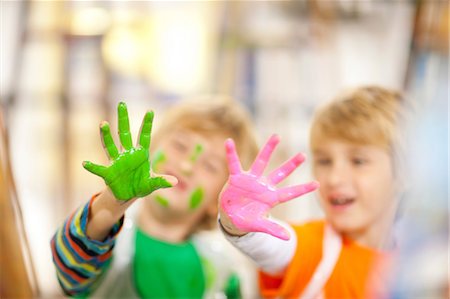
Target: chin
point(343, 225)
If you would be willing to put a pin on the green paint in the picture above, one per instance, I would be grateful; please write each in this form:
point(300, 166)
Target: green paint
point(197, 152)
point(158, 158)
point(124, 126)
point(162, 200)
point(108, 141)
point(209, 272)
point(128, 175)
point(196, 198)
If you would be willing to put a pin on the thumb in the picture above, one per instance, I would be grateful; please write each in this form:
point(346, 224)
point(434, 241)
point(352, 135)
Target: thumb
point(169, 178)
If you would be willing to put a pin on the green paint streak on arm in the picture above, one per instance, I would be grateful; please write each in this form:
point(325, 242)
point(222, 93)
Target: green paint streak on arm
point(162, 200)
point(196, 198)
point(197, 152)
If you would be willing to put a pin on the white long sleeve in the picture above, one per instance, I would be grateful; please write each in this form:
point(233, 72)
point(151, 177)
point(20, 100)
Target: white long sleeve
point(271, 254)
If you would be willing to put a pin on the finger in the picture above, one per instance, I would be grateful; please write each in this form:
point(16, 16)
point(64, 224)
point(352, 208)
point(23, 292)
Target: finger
point(107, 141)
point(159, 182)
point(146, 130)
point(272, 228)
point(286, 169)
point(234, 165)
point(95, 169)
point(172, 180)
point(124, 126)
point(264, 155)
point(288, 193)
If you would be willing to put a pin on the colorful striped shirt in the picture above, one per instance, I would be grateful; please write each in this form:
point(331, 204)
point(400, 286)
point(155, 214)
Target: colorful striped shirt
point(80, 261)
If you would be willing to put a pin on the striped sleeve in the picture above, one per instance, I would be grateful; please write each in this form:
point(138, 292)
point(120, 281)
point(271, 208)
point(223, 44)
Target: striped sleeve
point(80, 261)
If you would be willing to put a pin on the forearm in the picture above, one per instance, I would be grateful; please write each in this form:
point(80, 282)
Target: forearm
point(271, 254)
point(104, 213)
point(80, 261)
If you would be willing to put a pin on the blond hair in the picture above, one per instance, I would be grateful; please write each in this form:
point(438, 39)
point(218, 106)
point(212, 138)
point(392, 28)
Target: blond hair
point(366, 115)
point(214, 115)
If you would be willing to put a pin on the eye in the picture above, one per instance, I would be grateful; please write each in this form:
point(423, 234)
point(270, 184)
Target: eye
point(359, 161)
point(210, 166)
point(179, 145)
point(323, 161)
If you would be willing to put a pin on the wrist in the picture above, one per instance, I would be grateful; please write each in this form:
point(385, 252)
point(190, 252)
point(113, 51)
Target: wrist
point(116, 207)
point(228, 227)
point(104, 213)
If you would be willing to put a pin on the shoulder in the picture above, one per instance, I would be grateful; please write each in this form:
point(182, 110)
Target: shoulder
point(309, 246)
point(310, 229)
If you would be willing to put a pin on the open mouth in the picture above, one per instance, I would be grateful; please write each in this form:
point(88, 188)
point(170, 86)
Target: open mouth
point(182, 185)
point(341, 201)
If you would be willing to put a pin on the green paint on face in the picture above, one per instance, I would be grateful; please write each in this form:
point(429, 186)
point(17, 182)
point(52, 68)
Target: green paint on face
point(197, 152)
point(196, 198)
point(162, 200)
point(158, 158)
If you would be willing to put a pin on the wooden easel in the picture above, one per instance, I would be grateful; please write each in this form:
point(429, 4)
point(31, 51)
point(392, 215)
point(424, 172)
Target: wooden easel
point(17, 276)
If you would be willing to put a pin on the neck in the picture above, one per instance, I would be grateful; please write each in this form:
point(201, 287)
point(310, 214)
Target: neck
point(162, 227)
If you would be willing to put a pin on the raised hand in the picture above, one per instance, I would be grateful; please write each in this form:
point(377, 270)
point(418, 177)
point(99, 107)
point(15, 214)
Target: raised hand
point(128, 176)
point(248, 196)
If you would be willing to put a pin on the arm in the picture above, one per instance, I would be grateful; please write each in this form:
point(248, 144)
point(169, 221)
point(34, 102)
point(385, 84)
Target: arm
point(246, 201)
point(272, 255)
point(82, 247)
point(79, 260)
point(128, 177)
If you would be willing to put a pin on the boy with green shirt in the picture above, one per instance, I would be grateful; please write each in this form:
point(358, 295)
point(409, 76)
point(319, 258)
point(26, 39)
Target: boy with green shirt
point(162, 250)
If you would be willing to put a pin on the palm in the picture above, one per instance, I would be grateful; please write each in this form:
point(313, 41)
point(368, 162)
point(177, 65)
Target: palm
point(129, 174)
point(249, 196)
point(254, 197)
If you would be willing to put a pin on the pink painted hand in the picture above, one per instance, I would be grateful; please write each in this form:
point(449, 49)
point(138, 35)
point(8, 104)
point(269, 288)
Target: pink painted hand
point(248, 196)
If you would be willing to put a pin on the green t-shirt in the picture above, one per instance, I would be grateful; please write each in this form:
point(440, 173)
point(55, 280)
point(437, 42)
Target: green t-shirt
point(167, 270)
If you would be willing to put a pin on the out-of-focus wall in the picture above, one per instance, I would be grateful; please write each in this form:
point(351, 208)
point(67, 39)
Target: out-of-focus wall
point(66, 64)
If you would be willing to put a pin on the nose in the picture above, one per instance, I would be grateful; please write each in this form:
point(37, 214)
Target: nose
point(186, 166)
point(338, 174)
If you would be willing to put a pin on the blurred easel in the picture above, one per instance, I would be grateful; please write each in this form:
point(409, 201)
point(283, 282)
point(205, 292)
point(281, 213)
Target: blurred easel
point(17, 275)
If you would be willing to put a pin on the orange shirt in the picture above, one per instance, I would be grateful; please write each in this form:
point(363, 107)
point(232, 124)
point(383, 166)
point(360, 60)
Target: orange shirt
point(349, 278)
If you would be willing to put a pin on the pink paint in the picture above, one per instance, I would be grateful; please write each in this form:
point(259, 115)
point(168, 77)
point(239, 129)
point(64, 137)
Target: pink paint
point(249, 196)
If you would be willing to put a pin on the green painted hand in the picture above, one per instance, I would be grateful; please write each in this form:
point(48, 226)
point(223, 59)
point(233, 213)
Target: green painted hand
point(128, 176)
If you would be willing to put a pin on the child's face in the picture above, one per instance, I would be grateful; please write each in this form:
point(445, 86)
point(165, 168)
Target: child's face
point(356, 185)
point(198, 162)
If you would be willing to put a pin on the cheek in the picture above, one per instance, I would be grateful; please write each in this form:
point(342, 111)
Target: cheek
point(379, 190)
point(321, 177)
point(196, 198)
point(159, 158)
point(321, 195)
point(214, 185)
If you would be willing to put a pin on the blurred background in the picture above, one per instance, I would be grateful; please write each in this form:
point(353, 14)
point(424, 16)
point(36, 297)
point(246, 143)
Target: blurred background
point(66, 64)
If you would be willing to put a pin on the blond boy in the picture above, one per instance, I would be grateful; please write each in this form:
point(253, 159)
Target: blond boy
point(353, 142)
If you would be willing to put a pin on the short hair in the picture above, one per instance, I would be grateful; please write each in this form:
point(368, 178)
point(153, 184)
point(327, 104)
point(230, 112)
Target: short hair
point(366, 115)
point(211, 115)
